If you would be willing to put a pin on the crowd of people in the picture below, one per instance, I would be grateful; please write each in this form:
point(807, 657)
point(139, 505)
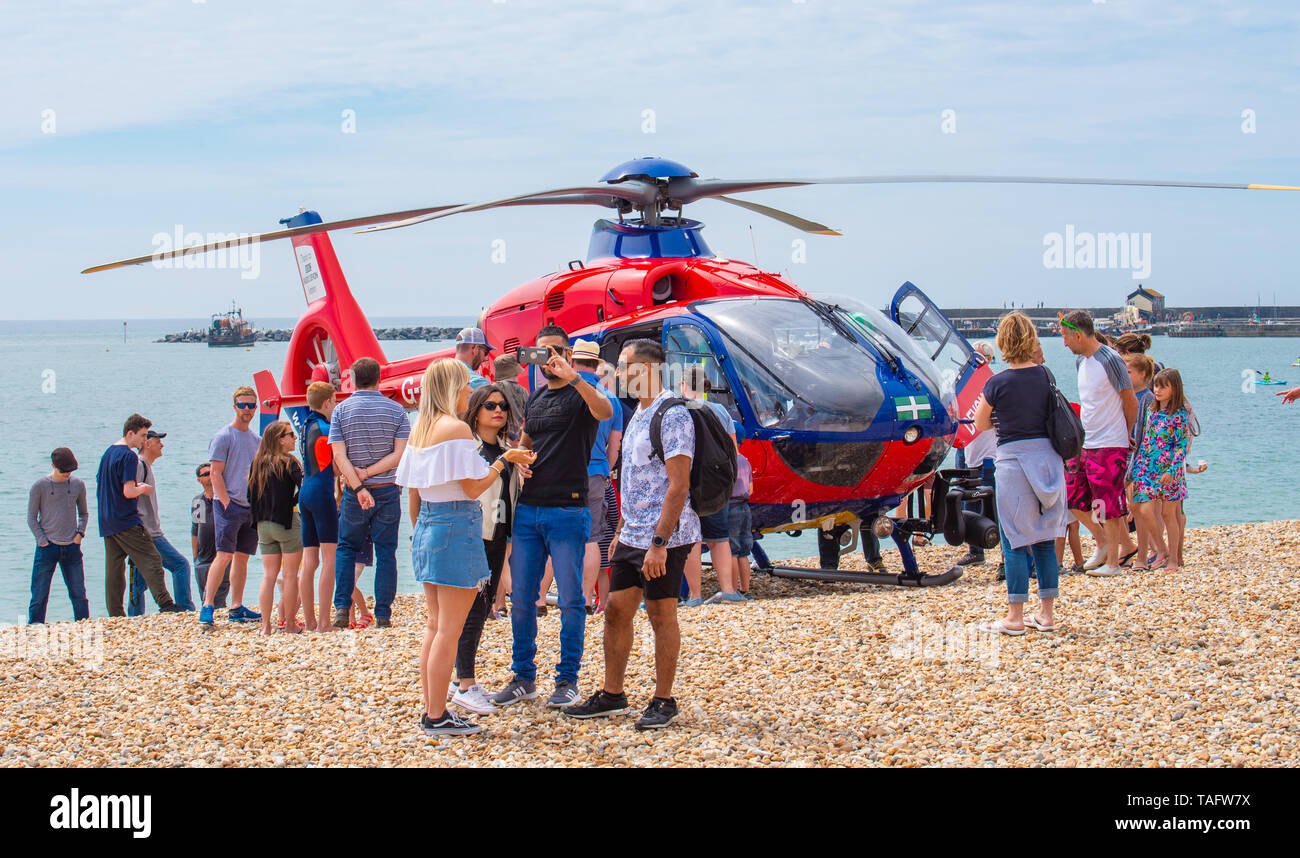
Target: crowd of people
point(506, 491)
point(1128, 480)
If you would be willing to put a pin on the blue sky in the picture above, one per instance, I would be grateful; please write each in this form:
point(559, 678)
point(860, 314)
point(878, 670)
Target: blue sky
point(226, 116)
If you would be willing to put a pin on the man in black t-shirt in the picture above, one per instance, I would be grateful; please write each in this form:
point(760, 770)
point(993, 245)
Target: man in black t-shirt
point(552, 520)
point(203, 535)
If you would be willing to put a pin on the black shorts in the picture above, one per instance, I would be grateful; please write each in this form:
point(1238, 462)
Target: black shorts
point(625, 572)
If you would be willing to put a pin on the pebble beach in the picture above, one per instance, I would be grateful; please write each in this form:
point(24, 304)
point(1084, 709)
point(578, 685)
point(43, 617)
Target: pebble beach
point(1195, 668)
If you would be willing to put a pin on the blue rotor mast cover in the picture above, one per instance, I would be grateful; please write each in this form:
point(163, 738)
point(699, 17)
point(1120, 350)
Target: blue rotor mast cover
point(648, 167)
point(302, 218)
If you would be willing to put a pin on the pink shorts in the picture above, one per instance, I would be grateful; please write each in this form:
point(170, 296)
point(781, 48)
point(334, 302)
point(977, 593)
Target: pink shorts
point(1095, 482)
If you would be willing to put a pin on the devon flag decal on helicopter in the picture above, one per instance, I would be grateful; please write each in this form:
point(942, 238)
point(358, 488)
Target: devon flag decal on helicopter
point(912, 407)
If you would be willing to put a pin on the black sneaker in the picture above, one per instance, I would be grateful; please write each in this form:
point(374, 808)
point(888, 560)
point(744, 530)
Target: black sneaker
point(172, 608)
point(660, 713)
point(541, 612)
point(450, 724)
point(598, 705)
point(972, 558)
point(383, 622)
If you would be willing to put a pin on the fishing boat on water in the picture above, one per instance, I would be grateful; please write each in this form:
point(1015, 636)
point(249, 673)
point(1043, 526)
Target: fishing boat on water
point(230, 328)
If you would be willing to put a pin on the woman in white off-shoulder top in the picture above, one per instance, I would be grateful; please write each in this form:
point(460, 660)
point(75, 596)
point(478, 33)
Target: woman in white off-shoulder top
point(442, 469)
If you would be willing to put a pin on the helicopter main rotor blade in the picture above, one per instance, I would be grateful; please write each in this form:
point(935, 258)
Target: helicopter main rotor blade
point(238, 241)
point(634, 191)
point(785, 217)
point(684, 190)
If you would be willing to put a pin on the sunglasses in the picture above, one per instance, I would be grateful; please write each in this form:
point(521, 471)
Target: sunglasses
point(495, 406)
point(205, 474)
point(245, 404)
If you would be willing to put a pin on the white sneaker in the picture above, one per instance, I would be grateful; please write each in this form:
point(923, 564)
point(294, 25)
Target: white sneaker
point(475, 700)
point(1104, 571)
point(452, 690)
point(1098, 558)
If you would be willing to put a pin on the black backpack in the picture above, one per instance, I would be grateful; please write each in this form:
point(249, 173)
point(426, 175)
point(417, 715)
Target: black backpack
point(713, 467)
point(1064, 428)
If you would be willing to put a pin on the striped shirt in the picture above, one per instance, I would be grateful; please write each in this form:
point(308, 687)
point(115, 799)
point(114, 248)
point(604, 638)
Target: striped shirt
point(369, 423)
point(57, 511)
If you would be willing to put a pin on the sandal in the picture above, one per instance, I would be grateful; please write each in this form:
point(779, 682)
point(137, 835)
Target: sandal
point(1127, 557)
point(999, 627)
point(1032, 622)
point(363, 623)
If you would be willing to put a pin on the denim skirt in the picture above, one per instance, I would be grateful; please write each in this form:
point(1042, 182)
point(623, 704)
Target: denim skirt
point(447, 546)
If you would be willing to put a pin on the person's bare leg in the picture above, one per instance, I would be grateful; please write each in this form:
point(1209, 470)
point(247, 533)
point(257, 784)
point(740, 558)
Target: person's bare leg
point(1060, 551)
point(307, 585)
point(325, 594)
point(503, 589)
point(216, 574)
point(271, 571)
point(430, 632)
point(590, 570)
point(668, 643)
point(1182, 530)
point(1076, 544)
point(720, 557)
point(544, 588)
point(742, 573)
point(1045, 611)
point(238, 575)
point(1084, 517)
point(602, 588)
point(618, 636)
point(1116, 534)
point(1170, 514)
point(290, 600)
point(694, 572)
point(453, 606)
point(1015, 615)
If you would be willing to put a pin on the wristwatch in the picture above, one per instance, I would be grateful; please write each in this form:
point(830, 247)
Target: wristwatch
point(658, 541)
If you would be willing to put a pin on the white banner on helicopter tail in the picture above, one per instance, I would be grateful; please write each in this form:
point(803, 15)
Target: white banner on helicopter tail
point(313, 286)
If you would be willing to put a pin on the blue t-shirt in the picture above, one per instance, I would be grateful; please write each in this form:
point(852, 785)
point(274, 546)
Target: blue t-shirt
point(117, 512)
point(599, 463)
point(475, 380)
point(723, 415)
point(236, 449)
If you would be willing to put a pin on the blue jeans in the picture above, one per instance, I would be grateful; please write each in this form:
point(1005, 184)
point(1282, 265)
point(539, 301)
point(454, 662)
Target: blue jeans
point(68, 559)
point(174, 562)
point(560, 533)
point(1042, 555)
point(378, 525)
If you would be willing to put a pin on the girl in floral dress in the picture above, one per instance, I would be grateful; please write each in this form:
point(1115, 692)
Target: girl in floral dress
point(1158, 466)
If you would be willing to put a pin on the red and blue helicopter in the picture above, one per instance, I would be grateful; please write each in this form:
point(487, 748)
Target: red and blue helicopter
point(844, 410)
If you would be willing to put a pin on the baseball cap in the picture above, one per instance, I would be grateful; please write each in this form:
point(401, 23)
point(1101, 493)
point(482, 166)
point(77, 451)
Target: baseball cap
point(586, 349)
point(473, 336)
point(153, 434)
point(63, 459)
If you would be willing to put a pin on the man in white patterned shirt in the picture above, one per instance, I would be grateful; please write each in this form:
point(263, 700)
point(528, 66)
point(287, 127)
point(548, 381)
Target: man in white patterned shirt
point(656, 534)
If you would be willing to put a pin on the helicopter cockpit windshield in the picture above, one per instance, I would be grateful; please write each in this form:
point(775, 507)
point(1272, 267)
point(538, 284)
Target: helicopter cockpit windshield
point(797, 368)
point(875, 326)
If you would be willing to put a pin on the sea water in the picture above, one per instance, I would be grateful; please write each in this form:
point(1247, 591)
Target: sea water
point(74, 383)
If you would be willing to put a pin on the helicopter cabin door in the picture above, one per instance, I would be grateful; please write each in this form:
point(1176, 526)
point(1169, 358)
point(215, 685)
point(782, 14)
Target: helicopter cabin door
point(689, 352)
point(961, 369)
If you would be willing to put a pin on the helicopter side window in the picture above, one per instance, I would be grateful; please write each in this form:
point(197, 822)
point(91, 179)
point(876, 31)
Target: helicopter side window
point(936, 337)
point(687, 346)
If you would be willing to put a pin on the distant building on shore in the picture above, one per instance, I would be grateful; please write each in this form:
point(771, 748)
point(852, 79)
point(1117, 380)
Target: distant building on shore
point(1150, 304)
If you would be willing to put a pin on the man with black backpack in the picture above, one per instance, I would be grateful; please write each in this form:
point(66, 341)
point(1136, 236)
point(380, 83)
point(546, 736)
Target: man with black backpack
point(670, 450)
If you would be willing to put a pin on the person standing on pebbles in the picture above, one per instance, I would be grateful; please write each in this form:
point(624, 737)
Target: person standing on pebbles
point(1109, 408)
point(655, 537)
point(444, 475)
point(368, 433)
point(231, 453)
point(273, 484)
point(120, 524)
point(57, 515)
point(1030, 475)
point(552, 520)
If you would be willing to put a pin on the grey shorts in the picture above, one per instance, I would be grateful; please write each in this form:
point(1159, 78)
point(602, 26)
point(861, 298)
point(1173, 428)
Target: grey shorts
point(596, 484)
point(275, 538)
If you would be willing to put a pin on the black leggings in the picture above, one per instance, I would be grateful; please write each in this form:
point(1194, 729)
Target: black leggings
point(467, 648)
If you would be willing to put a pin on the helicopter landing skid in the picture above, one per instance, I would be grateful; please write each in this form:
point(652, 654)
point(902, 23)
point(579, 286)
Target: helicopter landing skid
point(911, 575)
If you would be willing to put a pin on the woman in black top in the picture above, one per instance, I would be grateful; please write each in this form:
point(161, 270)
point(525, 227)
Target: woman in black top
point(492, 421)
point(273, 482)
